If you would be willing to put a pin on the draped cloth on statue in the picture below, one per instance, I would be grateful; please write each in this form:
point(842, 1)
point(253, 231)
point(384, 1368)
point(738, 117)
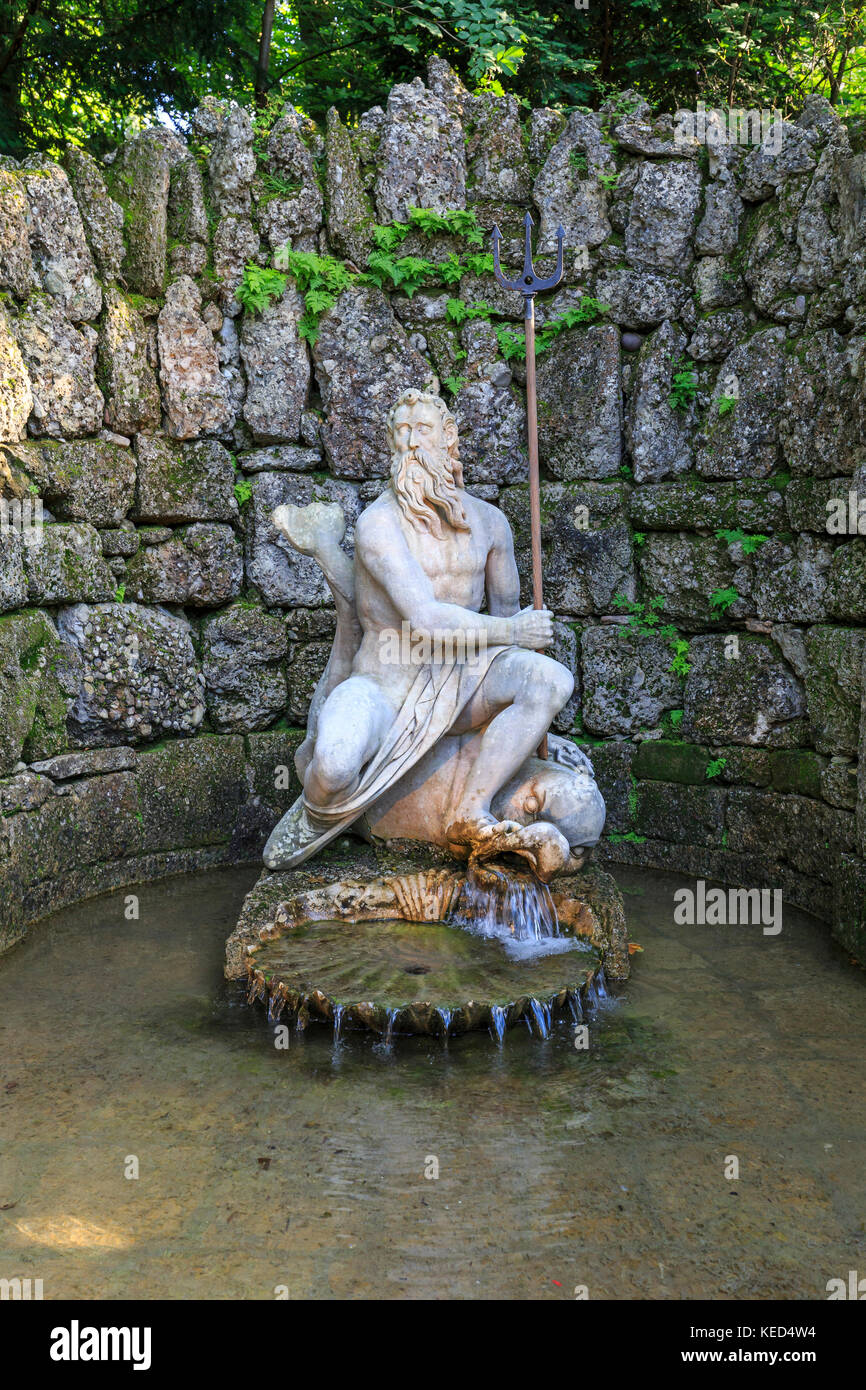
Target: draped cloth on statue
point(433, 703)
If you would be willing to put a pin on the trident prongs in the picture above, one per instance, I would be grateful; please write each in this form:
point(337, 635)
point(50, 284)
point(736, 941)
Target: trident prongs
point(529, 283)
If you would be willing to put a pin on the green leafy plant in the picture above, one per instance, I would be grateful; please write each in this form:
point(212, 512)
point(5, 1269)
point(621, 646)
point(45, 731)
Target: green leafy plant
point(243, 491)
point(405, 273)
point(389, 237)
point(639, 538)
point(120, 593)
point(721, 600)
point(684, 386)
point(747, 543)
point(676, 717)
point(578, 161)
point(458, 311)
point(646, 618)
point(276, 187)
point(259, 287)
point(726, 404)
point(455, 222)
point(631, 837)
point(319, 279)
point(715, 767)
point(452, 384)
point(608, 181)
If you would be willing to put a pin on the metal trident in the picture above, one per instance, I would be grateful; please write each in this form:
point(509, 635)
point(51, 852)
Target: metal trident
point(529, 286)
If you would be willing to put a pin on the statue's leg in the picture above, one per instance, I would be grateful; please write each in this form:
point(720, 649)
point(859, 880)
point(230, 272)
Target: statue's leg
point(520, 695)
point(353, 721)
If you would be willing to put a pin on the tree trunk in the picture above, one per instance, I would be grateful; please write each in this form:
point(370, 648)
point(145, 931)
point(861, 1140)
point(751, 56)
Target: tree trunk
point(265, 53)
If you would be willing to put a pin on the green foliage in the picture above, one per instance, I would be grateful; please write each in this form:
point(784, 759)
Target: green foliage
point(120, 593)
point(452, 384)
point(721, 600)
point(608, 181)
point(676, 717)
point(578, 161)
point(319, 279)
point(388, 238)
point(630, 837)
point(259, 287)
point(646, 618)
point(715, 767)
point(639, 538)
point(93, 70)
point(684, 386)
point(747, 543)
point(458, 311)
point(405, 273)
point(276, 187)
point(726, 404)
point(455, 222)
point(243, 491)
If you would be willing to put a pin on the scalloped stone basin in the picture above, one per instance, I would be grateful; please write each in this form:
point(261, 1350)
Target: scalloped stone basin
point(414, 977)
point(367, 940)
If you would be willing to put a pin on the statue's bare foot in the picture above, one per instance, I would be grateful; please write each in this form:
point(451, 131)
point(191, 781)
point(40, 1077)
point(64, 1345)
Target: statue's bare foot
point(481, 838)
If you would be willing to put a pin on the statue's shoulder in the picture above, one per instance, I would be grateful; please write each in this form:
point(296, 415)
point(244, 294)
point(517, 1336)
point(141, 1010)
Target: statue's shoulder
point(377, 521)
point(492, 518)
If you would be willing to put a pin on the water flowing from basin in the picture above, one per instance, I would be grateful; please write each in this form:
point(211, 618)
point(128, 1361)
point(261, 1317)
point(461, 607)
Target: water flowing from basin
point(515, 908)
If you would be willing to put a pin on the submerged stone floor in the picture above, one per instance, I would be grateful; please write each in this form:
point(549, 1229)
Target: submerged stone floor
point(305, 1168)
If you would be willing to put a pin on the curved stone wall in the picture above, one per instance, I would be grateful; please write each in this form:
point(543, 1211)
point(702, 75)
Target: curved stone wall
point(702, 386)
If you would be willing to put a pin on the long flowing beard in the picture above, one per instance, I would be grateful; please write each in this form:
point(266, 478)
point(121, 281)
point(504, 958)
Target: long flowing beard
point(426, 491)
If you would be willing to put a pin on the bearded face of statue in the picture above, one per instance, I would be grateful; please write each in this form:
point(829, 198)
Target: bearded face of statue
point(425, 472)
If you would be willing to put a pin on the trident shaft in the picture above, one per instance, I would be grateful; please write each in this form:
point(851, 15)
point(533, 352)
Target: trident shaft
point(529, 286)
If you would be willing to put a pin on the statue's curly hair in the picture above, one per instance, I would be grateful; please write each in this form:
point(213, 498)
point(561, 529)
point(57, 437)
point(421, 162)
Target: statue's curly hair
point(415, 396)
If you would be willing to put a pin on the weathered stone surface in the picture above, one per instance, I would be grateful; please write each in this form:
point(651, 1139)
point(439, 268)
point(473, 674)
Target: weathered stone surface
point(127, 379)
point(16, 397)
point(88, 480)
point(627, 681)
point(744, 441)
point(659, 438)
point(235, 244)
point(201, 567)
point(790, 579)
point(58, 245)
point(66, 766)
point(495, 151)
point(586, 544)
point(307, 661)
point(846, 582)
point(363, 361)
point(770, 164)
point(751, 506)
point(16, 264)
point(60, 362)
point(717, 335)
point(140, 184)
point(288, 458)
point(640, 299)
point(67, 566)
point(37, 679)
point(773, 255)
point(818, 425)
point(194, 392)
point(187, 213)
point(184, 482)
point(718, 230)
point(685, 570)
point(277, 368)
point(231, 163)
point(85, 823)
point(13, 580)
point(833, 687)
point(682, 814)
point(421, 156)
point(243, 651)
point(23, 792)
point(287, 215)
point(717, 283)
point(753, 699)
point(492, 428)
point(799, 829)
point(191, 791)
point(101, 215)
point(638, 131)
point(139, 677)
point(567, 190)
point(663, 211)
point(580, 404)
point(285, 578)
point(350, 218)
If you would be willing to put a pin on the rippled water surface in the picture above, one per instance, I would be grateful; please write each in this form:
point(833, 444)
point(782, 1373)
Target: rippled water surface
point(305, 1168)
